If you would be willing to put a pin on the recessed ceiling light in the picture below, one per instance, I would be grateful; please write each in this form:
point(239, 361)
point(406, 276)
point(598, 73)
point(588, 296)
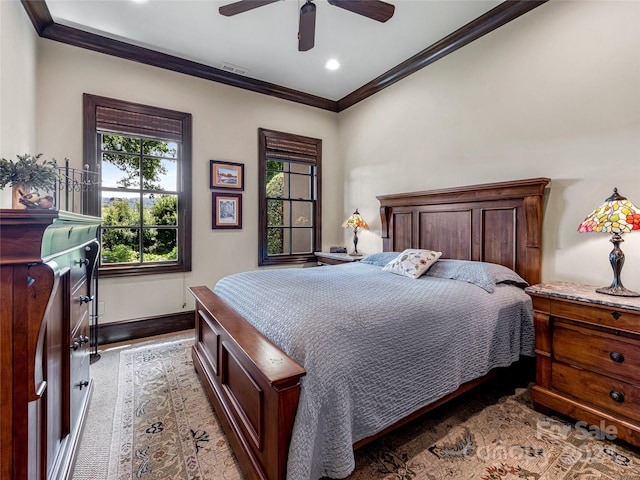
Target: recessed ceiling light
point(139, 1)
point(332, 64)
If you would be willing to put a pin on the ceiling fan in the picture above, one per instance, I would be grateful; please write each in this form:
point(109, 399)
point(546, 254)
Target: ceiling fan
point(373, 9)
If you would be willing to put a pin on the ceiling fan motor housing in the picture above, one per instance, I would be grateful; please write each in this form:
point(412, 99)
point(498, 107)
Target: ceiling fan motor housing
point(373, 9)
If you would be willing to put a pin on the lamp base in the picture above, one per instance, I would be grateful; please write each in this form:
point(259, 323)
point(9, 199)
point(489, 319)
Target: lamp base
point(616, 258)
point(617, 290)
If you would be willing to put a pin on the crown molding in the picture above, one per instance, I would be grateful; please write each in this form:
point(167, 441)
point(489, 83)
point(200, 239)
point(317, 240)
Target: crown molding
point(44, 24)
point(490, 21)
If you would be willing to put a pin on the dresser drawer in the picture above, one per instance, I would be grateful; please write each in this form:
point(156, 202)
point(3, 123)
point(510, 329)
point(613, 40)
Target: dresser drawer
point(79, 369)
point(80, 305)
point(605, 316)
point(619, 398)
point(601, 352)
point(78, 263)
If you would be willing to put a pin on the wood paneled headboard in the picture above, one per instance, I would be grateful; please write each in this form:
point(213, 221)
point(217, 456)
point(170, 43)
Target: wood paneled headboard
point(494, 222)
point(254, 386)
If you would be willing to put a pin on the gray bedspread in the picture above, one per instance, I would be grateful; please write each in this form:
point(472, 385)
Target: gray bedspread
point(376, 347)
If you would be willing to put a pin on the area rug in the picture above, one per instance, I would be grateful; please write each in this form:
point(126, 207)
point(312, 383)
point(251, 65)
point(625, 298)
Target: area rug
point(164, 428)
point(507, 440)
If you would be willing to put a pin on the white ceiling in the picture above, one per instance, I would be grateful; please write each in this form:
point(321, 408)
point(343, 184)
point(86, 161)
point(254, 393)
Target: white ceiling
point(264, 41)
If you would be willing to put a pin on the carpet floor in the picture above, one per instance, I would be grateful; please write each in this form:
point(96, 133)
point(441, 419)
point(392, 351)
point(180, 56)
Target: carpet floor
point(150, 419)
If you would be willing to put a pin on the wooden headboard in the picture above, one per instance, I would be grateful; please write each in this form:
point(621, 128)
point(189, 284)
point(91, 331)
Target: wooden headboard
point(494, 222)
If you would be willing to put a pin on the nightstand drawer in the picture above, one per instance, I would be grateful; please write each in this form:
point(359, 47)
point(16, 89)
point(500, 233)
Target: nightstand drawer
point(588, 355)
point(614, 396)
point(597, 351)
point(605, 316)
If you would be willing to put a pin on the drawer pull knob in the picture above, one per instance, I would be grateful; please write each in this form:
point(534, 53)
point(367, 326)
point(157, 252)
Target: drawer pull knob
point(85, 299)
point(616, 396)
point(78, 342)
point(82, 384)
point(616, 357)
point(615, 315)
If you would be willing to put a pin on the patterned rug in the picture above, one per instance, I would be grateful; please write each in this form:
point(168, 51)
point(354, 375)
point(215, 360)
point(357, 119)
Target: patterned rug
point(507, 440)
point(164, 428)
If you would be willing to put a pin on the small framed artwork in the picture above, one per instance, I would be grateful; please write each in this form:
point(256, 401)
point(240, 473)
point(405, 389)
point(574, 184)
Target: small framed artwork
point(227, 175)
point(226, 210)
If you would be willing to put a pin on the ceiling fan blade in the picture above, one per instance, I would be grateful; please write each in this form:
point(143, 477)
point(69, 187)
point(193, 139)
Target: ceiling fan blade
point(307, 27)
point(243, 6)
point(374, 9)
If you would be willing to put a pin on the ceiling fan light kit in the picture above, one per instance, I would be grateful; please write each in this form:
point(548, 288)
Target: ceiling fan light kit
point(373, 9)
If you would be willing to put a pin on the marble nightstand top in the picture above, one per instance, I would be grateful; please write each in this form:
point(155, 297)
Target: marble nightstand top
point(343, 257)
point(583, 293)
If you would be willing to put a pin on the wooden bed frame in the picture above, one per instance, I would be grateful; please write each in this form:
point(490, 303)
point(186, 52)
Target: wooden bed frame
point(254, 387)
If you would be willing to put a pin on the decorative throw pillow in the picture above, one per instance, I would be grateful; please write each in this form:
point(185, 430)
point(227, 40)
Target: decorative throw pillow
point(412, 262)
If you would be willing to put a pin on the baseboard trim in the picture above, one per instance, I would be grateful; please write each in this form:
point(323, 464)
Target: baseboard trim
point(126, 330)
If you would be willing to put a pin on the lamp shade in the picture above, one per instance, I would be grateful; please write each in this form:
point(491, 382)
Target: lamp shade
point(615, 215)
point(355, 221)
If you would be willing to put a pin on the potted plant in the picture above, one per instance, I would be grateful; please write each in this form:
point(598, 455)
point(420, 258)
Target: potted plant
point(26, 174)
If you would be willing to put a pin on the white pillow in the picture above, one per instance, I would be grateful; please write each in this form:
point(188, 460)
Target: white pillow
point(412, 262)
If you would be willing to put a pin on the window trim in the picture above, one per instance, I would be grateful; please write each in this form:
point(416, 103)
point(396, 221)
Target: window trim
point(264, 258)
point(93, 201)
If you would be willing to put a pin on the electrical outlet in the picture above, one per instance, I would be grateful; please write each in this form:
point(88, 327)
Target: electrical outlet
point(100, 308)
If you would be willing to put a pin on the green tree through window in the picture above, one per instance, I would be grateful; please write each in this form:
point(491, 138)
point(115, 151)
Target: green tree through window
point(143, 155)
point(290, 197)
point(139, 201)
point(275, 211)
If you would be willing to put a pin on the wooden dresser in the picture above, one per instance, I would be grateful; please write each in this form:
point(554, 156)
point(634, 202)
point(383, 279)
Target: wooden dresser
point(588, 357)
point(47, 267)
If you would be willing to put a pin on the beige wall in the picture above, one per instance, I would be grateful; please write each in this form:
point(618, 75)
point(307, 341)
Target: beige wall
point(225, 127)
point(17, 86)
point(555, 93)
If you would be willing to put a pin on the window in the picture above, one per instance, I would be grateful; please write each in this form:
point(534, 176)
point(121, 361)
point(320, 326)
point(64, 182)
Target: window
point(143, 156)
point(289, 197)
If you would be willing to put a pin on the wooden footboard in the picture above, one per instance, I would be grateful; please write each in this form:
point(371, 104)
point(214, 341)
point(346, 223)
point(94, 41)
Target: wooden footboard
point(253, 386)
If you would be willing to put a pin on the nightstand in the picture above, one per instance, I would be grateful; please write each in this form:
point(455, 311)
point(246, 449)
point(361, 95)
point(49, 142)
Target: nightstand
point(588, 356)
point(326, 258)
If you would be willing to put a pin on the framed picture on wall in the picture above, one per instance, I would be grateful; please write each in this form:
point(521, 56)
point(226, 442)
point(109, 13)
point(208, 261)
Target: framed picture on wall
point(227, 175)
point(226, 210)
